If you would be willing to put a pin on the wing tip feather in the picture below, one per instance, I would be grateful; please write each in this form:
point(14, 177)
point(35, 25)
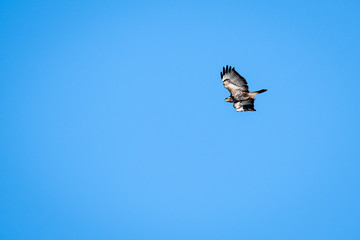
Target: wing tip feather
point(227, 69)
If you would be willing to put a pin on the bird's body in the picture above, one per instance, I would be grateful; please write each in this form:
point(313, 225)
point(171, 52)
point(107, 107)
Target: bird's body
point(239, 91)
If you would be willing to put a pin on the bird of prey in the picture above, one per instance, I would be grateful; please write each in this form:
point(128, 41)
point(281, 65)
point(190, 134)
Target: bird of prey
point(239, 91)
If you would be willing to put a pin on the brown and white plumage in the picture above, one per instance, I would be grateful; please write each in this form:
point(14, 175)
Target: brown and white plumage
point(239, 91)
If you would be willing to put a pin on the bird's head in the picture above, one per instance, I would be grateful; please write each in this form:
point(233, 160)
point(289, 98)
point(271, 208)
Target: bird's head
point(229, 99)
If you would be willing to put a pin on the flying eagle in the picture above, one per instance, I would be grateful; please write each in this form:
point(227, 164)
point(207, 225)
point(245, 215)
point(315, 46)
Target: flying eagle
point(239, 91)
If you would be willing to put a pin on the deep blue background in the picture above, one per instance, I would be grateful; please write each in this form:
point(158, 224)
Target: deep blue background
point(113, 123)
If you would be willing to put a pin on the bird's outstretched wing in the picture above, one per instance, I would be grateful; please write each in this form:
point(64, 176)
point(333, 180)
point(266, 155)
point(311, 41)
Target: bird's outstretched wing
point(244, 106)
point(233, 81)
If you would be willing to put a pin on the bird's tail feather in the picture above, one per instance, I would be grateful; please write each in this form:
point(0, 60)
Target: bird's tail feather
point(260, 91)
point(253, 94)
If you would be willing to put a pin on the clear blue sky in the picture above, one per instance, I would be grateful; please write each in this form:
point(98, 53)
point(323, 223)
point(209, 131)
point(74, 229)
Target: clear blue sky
point(113, 123)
